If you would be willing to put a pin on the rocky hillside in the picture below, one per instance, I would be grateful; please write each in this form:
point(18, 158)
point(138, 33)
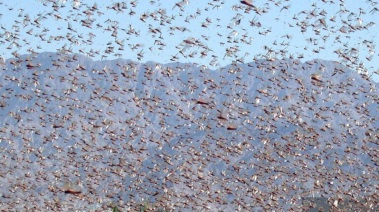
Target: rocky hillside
point(91, 135)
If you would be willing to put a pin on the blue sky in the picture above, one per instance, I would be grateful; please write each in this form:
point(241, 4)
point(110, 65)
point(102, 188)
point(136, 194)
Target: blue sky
point(279, 31)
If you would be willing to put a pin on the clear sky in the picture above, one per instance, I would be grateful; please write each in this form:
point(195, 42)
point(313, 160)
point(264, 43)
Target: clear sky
point(216, 33)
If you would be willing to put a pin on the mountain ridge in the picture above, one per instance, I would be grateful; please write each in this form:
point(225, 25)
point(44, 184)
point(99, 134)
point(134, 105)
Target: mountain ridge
point(167, 131)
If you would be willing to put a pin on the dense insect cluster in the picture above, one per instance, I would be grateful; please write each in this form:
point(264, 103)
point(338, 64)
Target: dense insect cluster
point(81, 130)
point(181, 137)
